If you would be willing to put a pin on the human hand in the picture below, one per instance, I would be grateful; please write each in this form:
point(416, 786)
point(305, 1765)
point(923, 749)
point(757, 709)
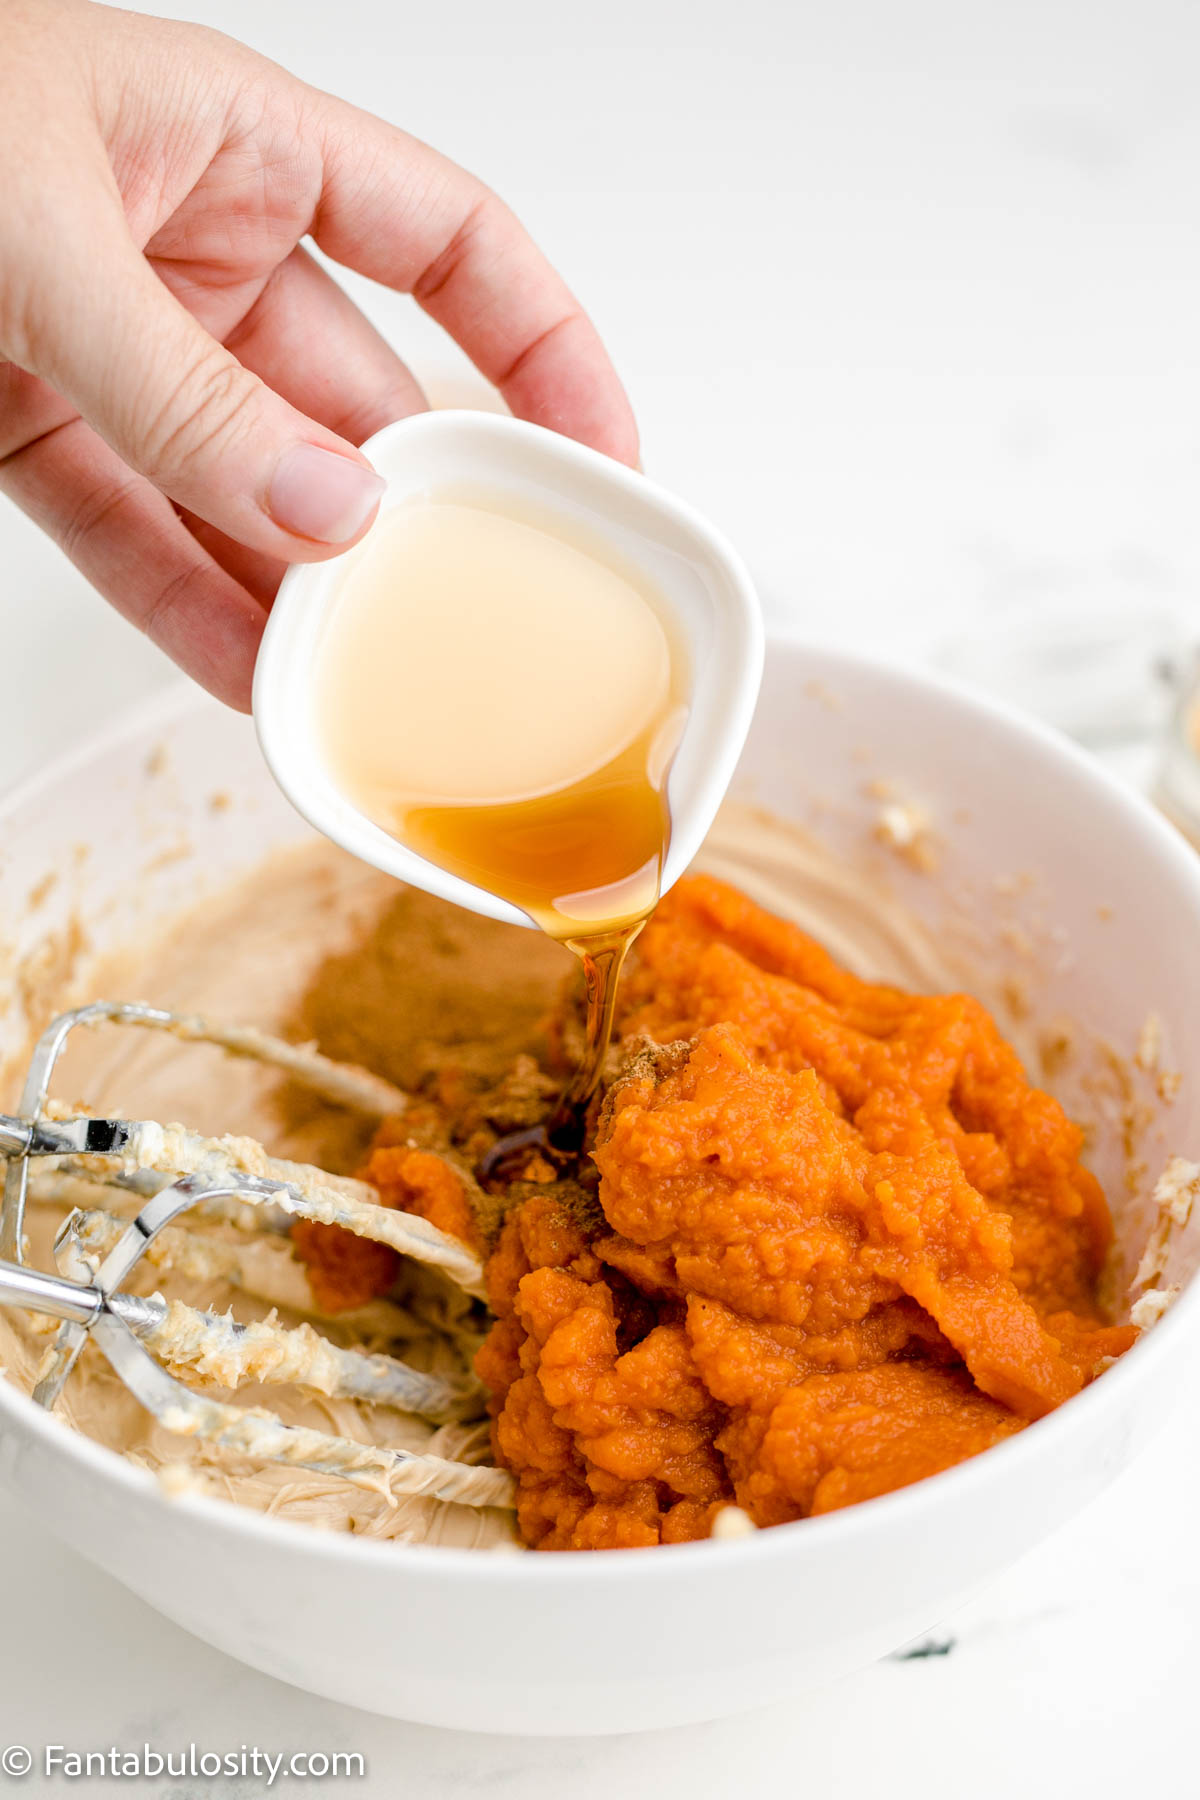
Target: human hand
point(181, 385)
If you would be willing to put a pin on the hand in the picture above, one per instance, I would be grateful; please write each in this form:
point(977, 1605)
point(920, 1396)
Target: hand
point(181, 385)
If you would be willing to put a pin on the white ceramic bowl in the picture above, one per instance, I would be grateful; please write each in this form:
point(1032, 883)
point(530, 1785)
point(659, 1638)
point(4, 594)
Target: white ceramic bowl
point(704, 585)
point(1048, 872)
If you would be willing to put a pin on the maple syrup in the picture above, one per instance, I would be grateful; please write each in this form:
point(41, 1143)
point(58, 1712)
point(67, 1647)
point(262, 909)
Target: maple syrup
point(506, 700)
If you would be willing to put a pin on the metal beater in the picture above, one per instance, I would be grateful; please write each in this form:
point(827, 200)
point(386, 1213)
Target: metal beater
point(172, 1172)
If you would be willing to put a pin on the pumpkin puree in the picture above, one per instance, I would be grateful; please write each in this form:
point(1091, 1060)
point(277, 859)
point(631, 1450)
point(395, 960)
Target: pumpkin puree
point(844, 1244)
point(839, 1243)
point(345, 1271)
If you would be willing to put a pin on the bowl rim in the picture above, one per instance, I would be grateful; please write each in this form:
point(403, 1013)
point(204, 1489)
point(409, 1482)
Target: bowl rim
point(932, 1494)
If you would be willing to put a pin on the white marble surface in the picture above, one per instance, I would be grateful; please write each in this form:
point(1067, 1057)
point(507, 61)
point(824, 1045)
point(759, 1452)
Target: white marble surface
point(906, 298)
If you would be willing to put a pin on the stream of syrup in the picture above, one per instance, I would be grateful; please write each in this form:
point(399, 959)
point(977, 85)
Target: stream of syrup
point(506, 701)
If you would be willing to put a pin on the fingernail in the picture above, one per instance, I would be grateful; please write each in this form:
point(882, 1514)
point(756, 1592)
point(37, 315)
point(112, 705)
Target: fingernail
point(319, 494)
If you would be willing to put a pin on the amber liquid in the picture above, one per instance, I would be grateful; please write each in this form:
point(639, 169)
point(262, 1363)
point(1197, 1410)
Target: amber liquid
point(585, 862)
point(581, 860)
point(525, 660)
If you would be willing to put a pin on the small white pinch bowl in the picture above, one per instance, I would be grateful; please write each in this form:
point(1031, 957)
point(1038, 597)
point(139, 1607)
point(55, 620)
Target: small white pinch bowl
point(697, 573)
point(1034, 841)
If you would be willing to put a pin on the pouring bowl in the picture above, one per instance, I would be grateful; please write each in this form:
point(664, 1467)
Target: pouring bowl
point(697, 575)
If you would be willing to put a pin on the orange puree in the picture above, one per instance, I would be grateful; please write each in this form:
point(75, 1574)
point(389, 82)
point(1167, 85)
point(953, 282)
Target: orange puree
point(345, 1271)
point(844, 1244)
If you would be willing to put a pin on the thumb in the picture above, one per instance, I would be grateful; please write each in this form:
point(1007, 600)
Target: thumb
point(180, 409)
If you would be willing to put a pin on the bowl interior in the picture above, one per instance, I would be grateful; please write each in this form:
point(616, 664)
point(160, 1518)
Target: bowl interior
point(1065, 903)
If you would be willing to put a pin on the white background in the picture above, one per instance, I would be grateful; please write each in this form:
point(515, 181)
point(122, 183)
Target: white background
point(906, 296)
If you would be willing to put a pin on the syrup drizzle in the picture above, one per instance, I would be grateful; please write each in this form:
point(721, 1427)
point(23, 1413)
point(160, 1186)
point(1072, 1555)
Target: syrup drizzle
point(451, 689)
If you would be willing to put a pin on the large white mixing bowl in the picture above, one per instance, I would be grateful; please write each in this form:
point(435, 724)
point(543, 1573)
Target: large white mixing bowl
point(1046, 872)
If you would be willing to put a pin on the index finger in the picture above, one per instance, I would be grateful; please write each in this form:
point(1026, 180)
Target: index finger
point(397, 211)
